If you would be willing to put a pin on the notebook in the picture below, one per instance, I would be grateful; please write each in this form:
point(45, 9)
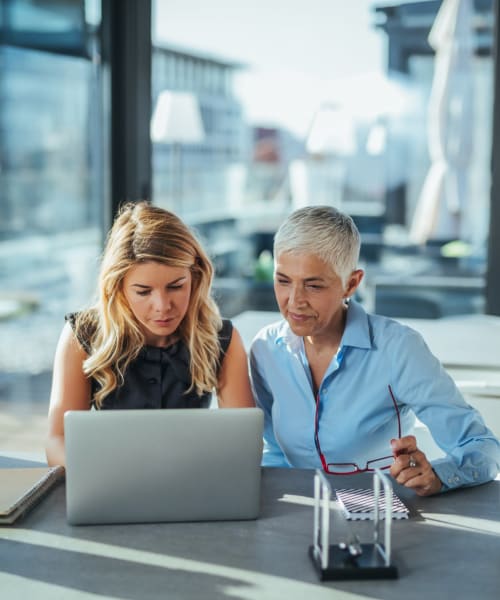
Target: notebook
point(359, 504)
point(21, 489)
point(134, 466)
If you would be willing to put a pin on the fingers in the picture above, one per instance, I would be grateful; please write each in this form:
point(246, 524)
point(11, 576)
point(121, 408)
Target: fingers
point(407, 466)
point(415, 472)
point(404, 445)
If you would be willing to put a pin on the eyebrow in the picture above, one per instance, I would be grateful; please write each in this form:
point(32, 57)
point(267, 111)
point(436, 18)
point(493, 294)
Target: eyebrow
point(173, 282)
point(308, 279)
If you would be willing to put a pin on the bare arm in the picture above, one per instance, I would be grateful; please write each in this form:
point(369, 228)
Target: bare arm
point(70, 391)
point(234, 383)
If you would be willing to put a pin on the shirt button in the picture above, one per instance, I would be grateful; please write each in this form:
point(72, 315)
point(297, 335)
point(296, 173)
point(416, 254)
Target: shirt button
point(152, 380)
point(450, 479)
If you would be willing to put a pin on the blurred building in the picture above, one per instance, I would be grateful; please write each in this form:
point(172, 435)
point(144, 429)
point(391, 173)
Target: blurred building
point(205, 165)
point(407, 27)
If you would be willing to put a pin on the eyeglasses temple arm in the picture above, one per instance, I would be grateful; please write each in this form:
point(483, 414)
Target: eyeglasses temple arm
point(397, 410)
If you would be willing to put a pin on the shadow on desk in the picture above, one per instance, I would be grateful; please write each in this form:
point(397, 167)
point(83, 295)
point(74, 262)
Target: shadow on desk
point(131, 578)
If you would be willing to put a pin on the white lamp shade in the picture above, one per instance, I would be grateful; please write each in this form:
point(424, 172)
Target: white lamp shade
point(177, 119)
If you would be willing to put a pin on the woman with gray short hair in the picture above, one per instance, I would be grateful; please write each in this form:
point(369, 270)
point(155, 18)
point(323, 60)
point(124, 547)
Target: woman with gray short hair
point(340, 388)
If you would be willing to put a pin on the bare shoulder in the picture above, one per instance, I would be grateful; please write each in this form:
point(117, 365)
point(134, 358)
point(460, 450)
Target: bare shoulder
point(68, 346)
point(234, 384)
point(70, 385)
point(236, 350)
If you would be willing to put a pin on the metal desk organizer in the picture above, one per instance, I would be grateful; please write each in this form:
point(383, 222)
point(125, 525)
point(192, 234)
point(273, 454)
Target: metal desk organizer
point(352, 560)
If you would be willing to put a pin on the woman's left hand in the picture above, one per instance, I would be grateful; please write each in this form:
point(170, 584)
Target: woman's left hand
point(411, 467)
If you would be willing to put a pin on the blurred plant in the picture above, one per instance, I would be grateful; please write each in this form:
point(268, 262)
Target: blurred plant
point(456, 249)
point(264, 267)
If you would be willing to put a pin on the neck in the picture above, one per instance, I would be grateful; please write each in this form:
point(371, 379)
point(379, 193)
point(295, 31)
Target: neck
point(322, 347)
point(328, 341)
point(162, 342)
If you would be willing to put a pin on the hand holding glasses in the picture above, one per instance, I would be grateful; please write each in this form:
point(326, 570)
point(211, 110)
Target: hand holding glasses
point(412, 469)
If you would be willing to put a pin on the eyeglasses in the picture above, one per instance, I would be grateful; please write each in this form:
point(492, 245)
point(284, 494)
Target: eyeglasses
point(383, 462)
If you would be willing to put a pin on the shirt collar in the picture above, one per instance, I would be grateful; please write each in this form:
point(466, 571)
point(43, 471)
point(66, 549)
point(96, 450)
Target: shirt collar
point(356, 332)
point(357, 328)
point(286, 337)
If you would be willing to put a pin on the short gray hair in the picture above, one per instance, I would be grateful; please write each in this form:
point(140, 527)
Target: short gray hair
point(325, 232)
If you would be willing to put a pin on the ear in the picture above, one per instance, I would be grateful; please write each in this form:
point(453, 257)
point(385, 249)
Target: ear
point(353, 282)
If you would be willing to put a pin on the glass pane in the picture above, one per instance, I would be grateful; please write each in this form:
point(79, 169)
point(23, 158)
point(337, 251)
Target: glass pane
point(312, 114)
point(50, 25)
point(50, 222)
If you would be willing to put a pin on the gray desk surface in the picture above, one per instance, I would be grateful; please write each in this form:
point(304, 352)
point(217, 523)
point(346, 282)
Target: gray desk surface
point(447, 549)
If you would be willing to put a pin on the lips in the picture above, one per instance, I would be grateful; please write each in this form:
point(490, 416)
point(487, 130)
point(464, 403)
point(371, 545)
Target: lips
point(298, 318)
point(164, 322)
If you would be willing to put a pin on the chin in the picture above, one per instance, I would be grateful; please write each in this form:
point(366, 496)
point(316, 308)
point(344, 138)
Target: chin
point(166, 329)
point(300, 329)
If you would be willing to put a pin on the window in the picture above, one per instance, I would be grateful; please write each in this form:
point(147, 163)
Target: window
point(299, 107)
point(51, 196)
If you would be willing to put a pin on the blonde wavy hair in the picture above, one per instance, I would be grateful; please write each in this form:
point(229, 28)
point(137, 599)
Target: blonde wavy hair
point(142, 232)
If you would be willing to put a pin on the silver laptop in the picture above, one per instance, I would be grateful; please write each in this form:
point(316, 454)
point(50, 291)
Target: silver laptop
point(133, 466)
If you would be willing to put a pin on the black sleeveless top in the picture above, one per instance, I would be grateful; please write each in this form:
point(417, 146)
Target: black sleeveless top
point(158, 377)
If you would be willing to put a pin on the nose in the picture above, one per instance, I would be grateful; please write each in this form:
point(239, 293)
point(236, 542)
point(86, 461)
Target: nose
point(296, 297)
point(162, 303)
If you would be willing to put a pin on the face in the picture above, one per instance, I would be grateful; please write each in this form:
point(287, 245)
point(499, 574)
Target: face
point(310, 294)
point(158, 296)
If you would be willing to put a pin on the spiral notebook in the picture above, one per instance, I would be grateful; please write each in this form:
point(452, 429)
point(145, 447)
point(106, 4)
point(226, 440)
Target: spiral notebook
point(359, 504)
point(21, 489)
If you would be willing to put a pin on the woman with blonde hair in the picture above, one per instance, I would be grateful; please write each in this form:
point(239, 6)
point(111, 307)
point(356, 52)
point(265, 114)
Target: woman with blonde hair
point(154, 338)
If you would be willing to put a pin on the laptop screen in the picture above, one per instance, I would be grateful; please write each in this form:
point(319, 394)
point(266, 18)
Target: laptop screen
point(129, 466)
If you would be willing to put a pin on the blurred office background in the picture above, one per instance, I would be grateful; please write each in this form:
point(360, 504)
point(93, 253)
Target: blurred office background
point(232, 114)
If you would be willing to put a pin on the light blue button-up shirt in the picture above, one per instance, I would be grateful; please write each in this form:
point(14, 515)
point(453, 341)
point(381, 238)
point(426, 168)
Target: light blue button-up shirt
point(357, 418)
